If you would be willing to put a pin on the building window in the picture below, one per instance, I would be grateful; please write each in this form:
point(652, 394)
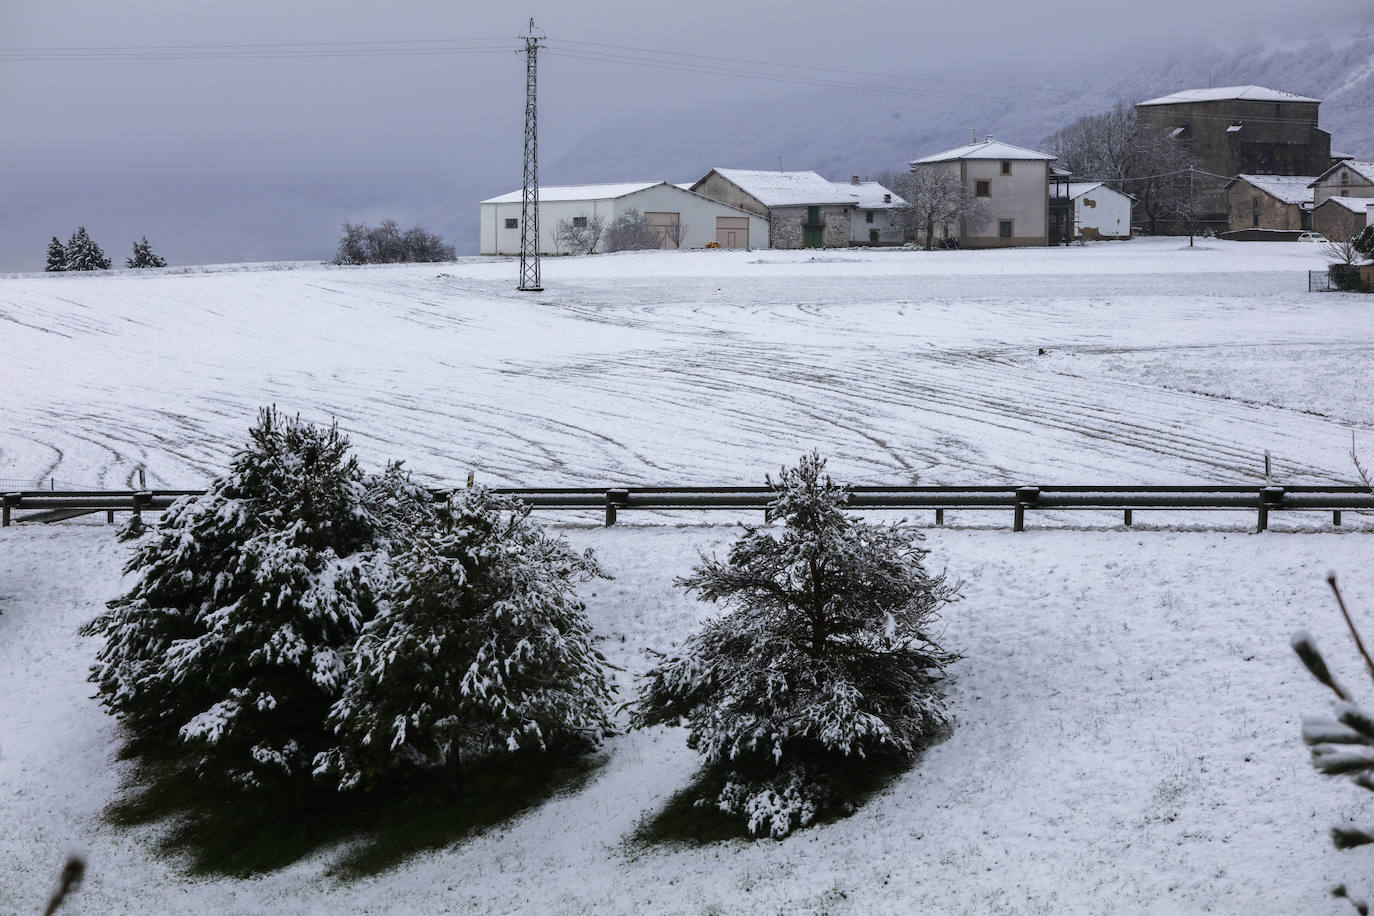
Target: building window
point(868, 217)
point(873, 235)
point(579, 222)
point(1006, 167)
point(1004, 228)
point(512, 224)
point(982, 188)
point(1254, 211)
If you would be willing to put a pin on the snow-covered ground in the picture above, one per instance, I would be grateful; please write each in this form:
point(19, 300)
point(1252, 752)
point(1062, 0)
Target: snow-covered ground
point(1162, 364)
point(1127, 708)
point(1127, 741)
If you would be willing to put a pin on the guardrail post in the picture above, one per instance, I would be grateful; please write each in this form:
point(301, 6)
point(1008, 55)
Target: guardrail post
point(1270, 498)
point(1025, 496)
point(615, 498)
point(1336, 518)
point(109, 517)
point(1128, 518)
point(939, 516)
point(6, 501)
point(141, 499)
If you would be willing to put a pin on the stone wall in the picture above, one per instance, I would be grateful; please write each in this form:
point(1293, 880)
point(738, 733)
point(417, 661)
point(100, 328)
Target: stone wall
point(728, 193)
point(787, 231)
point(1273, 214)
point(1336, 222)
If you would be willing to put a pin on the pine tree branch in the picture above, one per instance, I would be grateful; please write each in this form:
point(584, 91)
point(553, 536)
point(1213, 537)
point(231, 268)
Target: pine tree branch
point(1359, 643)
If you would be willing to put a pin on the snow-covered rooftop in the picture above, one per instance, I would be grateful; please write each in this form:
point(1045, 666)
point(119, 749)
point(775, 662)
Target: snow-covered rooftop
point(987, 149)
point(577, 192)
point(1078, 188)
point(869, 195)
point(1291, 189)
point(1227, 94)
point(783, 189)
point(1353, 204)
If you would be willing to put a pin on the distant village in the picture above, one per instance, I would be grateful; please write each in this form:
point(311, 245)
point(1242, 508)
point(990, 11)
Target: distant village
point(1261, 169)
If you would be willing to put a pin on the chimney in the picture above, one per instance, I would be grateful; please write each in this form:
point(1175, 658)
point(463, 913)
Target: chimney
point(887, 198)
point(854, 180)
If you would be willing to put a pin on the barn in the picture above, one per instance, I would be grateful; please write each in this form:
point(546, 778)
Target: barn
point(1099, 212)
point(681, 218)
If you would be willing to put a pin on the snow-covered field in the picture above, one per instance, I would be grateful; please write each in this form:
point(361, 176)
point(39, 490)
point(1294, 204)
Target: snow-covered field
point(1127, 708)
point(1161, 364)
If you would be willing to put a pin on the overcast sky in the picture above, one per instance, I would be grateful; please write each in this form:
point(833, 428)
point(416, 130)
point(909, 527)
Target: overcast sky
point(180, 137)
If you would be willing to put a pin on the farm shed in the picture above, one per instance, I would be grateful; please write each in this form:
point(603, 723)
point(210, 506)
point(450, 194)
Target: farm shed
point(1269, 202)
point(682, 218)
point(1099, 212)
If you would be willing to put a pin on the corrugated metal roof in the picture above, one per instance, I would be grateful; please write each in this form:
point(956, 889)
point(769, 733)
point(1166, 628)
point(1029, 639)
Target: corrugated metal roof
point(988, 149)
point(1227, 94)
point(551, 193)
point(1291, 189)
point(784, 189)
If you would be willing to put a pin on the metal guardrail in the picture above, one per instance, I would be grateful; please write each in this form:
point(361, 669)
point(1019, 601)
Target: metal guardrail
point(51, 506)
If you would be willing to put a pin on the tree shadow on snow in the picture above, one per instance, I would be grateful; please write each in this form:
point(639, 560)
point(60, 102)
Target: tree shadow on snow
point(691, 817)
point(222, 832)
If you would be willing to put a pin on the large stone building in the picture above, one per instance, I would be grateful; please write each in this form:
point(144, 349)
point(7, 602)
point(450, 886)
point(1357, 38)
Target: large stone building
point(1241, 130)
point(1012, 182)
point(803, 209)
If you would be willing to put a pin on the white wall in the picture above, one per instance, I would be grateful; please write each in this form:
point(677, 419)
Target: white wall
point(882, 221)
point(1106, 211)
point(1023, 197)
point(697, 215)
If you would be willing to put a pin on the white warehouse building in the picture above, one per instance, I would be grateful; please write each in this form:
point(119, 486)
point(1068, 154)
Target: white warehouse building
point(682, 218)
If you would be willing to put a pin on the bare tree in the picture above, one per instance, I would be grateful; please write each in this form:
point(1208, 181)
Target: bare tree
point(1342, 251)
point(580, 234)
point(1136, 158)
point(674, 234)
point(632, 231)
point(934, 197)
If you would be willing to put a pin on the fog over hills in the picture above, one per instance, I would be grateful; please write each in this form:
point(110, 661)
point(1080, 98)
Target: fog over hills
point(846, 132)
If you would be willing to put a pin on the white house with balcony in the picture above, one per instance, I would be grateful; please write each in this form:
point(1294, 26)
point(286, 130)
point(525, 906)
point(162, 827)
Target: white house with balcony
point(681, 218)
point(1012, 182)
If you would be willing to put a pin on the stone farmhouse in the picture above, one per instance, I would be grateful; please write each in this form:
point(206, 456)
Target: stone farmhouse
point(872, 223)
point(803, 209)
point(1012, 180)
point(681, 218)
point(1276, 202)
point(1343, 198)
point(1241, 130)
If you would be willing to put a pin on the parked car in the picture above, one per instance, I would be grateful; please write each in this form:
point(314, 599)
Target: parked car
point(1311, 237)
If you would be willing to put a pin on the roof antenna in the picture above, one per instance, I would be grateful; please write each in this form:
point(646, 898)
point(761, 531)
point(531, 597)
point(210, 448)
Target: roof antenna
point(974, 131)
point(779, 163)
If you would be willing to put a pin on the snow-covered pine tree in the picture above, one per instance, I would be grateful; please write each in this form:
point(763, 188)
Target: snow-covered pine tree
point(825, 657)
point(144, 256)
point(482, 648)
point(1342, 745)
point(84, 254)
point(235, 637)
point(57, 255)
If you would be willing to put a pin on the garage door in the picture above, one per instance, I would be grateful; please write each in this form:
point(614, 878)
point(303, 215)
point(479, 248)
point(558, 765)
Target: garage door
point(667, 226)
point(732, 231)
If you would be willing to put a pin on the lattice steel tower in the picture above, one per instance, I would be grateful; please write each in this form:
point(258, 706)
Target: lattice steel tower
point(529, 198)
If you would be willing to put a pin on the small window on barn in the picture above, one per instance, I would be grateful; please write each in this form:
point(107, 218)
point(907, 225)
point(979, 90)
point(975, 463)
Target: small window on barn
point(1004, 228)
point(1006, 167)
point(868, 217)
point(1255, 211)
point(579, 222)
point(873, 235)
point(512, 224)
point(982, 188)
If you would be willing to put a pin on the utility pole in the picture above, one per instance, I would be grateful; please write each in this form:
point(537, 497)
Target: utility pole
point(529, 198)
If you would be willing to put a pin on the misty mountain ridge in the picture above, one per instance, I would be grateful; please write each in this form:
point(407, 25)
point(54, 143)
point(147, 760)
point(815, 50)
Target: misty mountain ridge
point(840, 132)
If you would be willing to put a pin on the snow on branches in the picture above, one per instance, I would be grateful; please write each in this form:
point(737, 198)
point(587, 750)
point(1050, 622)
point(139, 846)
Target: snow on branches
point(278, 619)
point(825, 658)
